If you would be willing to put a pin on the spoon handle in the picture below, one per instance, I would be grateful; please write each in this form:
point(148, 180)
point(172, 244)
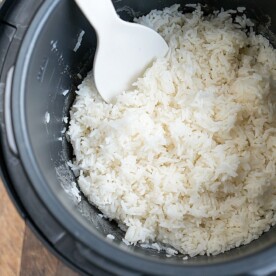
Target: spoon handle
point(100, 13)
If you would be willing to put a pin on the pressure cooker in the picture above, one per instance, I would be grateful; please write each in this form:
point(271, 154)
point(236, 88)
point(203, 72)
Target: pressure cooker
point(47, 47)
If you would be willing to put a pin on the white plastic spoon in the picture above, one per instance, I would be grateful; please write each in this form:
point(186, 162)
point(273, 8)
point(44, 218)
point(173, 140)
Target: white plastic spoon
point(124, 49)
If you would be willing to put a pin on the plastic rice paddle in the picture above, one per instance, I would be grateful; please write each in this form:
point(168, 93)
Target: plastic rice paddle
point(124, 49)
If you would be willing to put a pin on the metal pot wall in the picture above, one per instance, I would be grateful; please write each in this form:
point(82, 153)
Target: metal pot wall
point(38, 64)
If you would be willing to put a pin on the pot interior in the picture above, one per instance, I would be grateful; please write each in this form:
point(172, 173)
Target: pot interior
point(56, 66)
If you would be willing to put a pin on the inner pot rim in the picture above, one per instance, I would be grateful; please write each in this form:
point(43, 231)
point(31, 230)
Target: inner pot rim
point(80, 232)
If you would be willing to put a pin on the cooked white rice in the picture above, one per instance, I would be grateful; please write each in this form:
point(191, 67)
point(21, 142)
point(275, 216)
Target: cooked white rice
point(188, 156)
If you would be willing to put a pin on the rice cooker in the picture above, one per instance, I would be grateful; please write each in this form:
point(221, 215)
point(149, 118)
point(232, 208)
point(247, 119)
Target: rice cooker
point(46, 48)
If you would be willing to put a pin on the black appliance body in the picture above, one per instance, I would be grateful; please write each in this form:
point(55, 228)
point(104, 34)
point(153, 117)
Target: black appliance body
point(38, 62)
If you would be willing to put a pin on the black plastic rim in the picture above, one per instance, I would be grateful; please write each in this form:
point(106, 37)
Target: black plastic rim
point(81, 233)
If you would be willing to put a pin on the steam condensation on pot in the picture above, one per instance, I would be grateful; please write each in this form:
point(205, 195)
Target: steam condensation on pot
point(188, 156)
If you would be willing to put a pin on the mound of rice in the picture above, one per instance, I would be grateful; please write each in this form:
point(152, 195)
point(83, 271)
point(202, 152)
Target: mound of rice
point(188, 156)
